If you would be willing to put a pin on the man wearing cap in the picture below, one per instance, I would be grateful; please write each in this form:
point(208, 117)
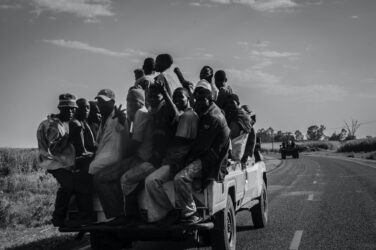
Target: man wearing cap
point(109, 152)
point(206, 159)
point(57, 154)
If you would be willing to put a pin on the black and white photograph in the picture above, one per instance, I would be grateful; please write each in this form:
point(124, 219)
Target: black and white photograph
point(187, 124)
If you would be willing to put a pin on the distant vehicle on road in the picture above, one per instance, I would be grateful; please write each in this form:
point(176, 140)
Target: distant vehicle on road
point(244, 188)
point(289, 148)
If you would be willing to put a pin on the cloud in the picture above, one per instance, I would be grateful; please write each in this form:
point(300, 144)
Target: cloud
point(87, 47)
point(10, 6)
point(264, 5)
point(272, 85)
point(87, 9)
point(200, 4)
point(197, 54)
point(261, 44)
point(242, 43)
point(269, 5)
point(275, 54)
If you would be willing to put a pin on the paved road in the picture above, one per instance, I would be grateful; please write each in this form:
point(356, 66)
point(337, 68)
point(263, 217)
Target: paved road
point(314, 203)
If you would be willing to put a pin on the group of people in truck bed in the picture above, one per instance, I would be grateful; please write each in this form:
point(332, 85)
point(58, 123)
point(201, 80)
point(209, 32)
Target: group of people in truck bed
point(166, 133)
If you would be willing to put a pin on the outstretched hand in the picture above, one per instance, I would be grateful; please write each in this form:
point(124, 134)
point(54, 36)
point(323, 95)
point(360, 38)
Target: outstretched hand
point(120, 114)
point(160, 86)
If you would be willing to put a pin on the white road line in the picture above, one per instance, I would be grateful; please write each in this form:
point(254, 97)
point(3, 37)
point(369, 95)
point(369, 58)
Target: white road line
point(296, 240)
point(314, 182)
point(44, 230)
point(310, 197)
point(84, 248)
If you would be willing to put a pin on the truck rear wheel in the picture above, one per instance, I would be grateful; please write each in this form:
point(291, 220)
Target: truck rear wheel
point(224, 233)
point(259, 212)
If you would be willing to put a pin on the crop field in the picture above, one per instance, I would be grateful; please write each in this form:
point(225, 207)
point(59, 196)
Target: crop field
point(360, 145)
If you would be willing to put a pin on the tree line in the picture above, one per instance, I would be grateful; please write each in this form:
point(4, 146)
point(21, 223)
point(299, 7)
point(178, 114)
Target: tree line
point(313, 133)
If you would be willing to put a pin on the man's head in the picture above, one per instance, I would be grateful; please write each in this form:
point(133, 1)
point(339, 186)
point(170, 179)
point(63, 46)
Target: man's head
point(180, 98)
point(149, 66)
point(138, 73)
point(220, 78)
point(163, 62)
point(83, 110)
point(135, 101)
point(155, 96)
point(231, 102)
point(67, 106)
point(95, 114)
point(106, 101)
point(206, 73)
point(249, 112)
point(204, 98)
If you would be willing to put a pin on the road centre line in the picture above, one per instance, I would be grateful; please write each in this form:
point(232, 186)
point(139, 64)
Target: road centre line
point(294, 245)
point(84, 248)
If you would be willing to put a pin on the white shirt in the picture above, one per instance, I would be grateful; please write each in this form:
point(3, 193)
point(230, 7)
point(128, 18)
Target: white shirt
point(109, 142)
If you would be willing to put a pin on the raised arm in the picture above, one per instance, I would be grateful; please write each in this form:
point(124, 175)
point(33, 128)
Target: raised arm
point(186, 84)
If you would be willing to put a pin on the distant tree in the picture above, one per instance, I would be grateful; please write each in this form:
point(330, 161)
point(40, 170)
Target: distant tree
point(299, 135)
point(334, 137)
point(315, 132)
point(352, 127)
point(343, 135)
point(278, 136)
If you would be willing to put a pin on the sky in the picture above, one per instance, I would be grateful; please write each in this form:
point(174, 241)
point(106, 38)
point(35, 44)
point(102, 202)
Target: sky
point(296, 63)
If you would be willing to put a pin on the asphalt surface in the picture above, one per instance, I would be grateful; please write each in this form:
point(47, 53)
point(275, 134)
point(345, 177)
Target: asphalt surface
point(314, 203)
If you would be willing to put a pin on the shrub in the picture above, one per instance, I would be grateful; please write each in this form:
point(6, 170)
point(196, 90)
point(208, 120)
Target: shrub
point(360, 145)
point(318, 145)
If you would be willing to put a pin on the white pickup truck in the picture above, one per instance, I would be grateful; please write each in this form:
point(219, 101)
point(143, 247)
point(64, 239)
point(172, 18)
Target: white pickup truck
point(242, 189)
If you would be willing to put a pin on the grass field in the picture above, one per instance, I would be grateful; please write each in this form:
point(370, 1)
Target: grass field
point(360, 145)
point(27, 193)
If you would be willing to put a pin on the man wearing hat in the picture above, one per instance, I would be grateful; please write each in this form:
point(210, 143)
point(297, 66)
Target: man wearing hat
point(109, 148)
point(57, 154)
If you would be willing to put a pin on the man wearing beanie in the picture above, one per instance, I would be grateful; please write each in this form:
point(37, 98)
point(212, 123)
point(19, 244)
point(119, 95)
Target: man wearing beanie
point(57, 154)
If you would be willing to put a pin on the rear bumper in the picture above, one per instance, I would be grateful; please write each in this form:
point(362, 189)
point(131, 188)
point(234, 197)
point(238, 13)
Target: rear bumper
point(145, 232)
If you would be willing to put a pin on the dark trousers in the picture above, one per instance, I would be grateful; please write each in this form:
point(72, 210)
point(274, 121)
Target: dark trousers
point(109, 191)
point(79, 184)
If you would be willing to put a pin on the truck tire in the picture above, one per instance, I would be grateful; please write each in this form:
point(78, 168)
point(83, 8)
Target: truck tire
point(259, 212)
point(297, 154)
point(223, 236)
